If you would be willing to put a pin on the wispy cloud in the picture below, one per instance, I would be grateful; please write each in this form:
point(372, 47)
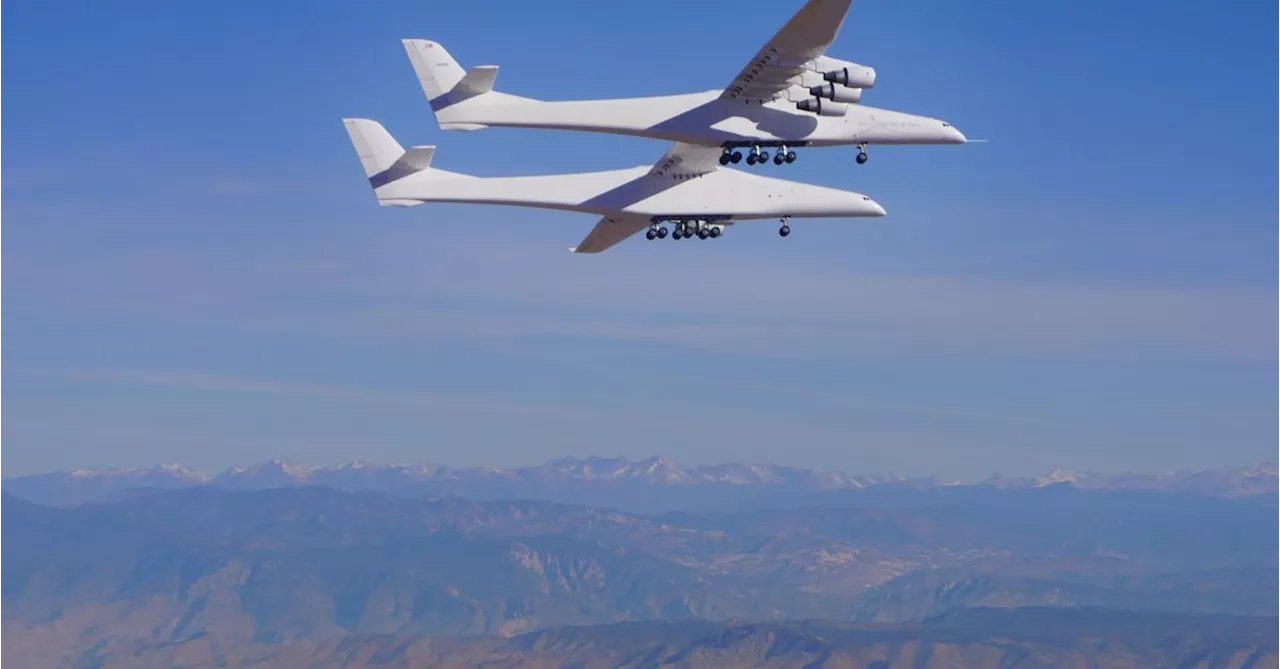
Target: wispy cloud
point(233, 187)
point(24, 179)
point(220, 383)
point(714, 304)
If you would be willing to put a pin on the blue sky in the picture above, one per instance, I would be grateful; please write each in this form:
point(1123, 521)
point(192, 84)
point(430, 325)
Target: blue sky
point(198, 273)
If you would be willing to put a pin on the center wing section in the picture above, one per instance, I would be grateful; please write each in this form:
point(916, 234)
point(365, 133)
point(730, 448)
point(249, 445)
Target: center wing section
point(680, 163)
point(687, 160)
point(785, 57)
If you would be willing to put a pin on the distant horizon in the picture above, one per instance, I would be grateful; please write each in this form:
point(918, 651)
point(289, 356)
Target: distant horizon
point(212, 472)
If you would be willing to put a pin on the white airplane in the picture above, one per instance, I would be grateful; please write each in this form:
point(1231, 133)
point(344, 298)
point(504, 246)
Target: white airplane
point(789, 95)
point(685, 187)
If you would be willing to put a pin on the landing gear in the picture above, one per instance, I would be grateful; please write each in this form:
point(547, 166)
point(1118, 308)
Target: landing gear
point(757, 156)
point(684, 229)
point(784, 156)
point(862, 154)
point(730, 156)
point(785, 229)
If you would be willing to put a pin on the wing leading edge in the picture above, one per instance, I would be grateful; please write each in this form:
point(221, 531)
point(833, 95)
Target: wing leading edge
point(805, 37)
point(610, 230)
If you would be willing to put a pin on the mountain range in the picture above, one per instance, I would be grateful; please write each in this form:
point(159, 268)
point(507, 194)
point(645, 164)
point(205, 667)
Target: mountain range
point(284, 570)
point(597, 481)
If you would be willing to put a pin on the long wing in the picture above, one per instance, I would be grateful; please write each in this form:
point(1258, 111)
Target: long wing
point(805, 37)
point(611, 230)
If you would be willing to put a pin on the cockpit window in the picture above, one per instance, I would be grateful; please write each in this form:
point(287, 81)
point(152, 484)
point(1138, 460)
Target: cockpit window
point(946, 125)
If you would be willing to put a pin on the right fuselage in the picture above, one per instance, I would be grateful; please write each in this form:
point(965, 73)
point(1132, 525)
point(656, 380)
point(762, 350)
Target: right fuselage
point(706, 119)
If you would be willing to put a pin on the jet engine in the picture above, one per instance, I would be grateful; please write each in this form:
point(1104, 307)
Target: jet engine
point(837, 93)
point(823, 107)
point(849, 74)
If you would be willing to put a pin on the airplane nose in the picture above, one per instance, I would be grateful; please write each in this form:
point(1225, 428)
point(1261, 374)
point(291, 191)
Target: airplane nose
point(871, 207)
point(955, 135)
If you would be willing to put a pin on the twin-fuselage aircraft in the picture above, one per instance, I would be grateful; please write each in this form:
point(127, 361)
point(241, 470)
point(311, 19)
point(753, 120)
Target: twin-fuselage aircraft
point(790, 95)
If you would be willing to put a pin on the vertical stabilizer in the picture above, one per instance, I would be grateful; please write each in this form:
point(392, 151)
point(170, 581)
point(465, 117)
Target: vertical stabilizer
point(385, 161)
point(455, 94)
point(377, 149)
point(437, 71)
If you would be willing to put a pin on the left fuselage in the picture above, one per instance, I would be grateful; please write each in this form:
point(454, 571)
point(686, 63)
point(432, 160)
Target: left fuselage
point(706, 119)
point(726, 194)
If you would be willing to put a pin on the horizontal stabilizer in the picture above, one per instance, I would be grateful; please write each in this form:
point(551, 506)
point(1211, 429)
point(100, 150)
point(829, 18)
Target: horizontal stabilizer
point(417, 158)
point(477, 81)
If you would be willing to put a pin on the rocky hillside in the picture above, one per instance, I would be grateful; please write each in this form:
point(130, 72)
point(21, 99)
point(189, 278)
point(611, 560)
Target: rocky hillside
point(980, 639)
point(308, 563)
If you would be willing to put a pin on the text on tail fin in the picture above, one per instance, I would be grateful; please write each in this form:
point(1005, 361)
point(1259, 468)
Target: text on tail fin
point(437, 71)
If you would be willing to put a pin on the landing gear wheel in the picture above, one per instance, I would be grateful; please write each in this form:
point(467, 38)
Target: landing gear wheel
point(784, 231)
point(764, 157)
point(862, 157)
point(737, 157)
point(751, 159)
point(714, 232)
point(702, 233)
point(779, 158)
point(725, 158)
point(662, 232)
point(677, 234)
point(791, 156)
point(651, 234)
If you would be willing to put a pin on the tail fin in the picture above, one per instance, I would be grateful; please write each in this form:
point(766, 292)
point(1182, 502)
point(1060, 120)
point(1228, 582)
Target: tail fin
point(437, 71)
point(445, 83)
point(384, 160)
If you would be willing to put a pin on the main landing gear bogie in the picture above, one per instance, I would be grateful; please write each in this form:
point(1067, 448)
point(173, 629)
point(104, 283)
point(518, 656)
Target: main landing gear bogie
point(758, 156)
point(701, 230)
point(685, 230)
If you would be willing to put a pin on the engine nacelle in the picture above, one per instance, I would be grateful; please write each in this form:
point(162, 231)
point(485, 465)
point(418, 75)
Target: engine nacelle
point(837, 93)
point(845, 73)
point(823, 107)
